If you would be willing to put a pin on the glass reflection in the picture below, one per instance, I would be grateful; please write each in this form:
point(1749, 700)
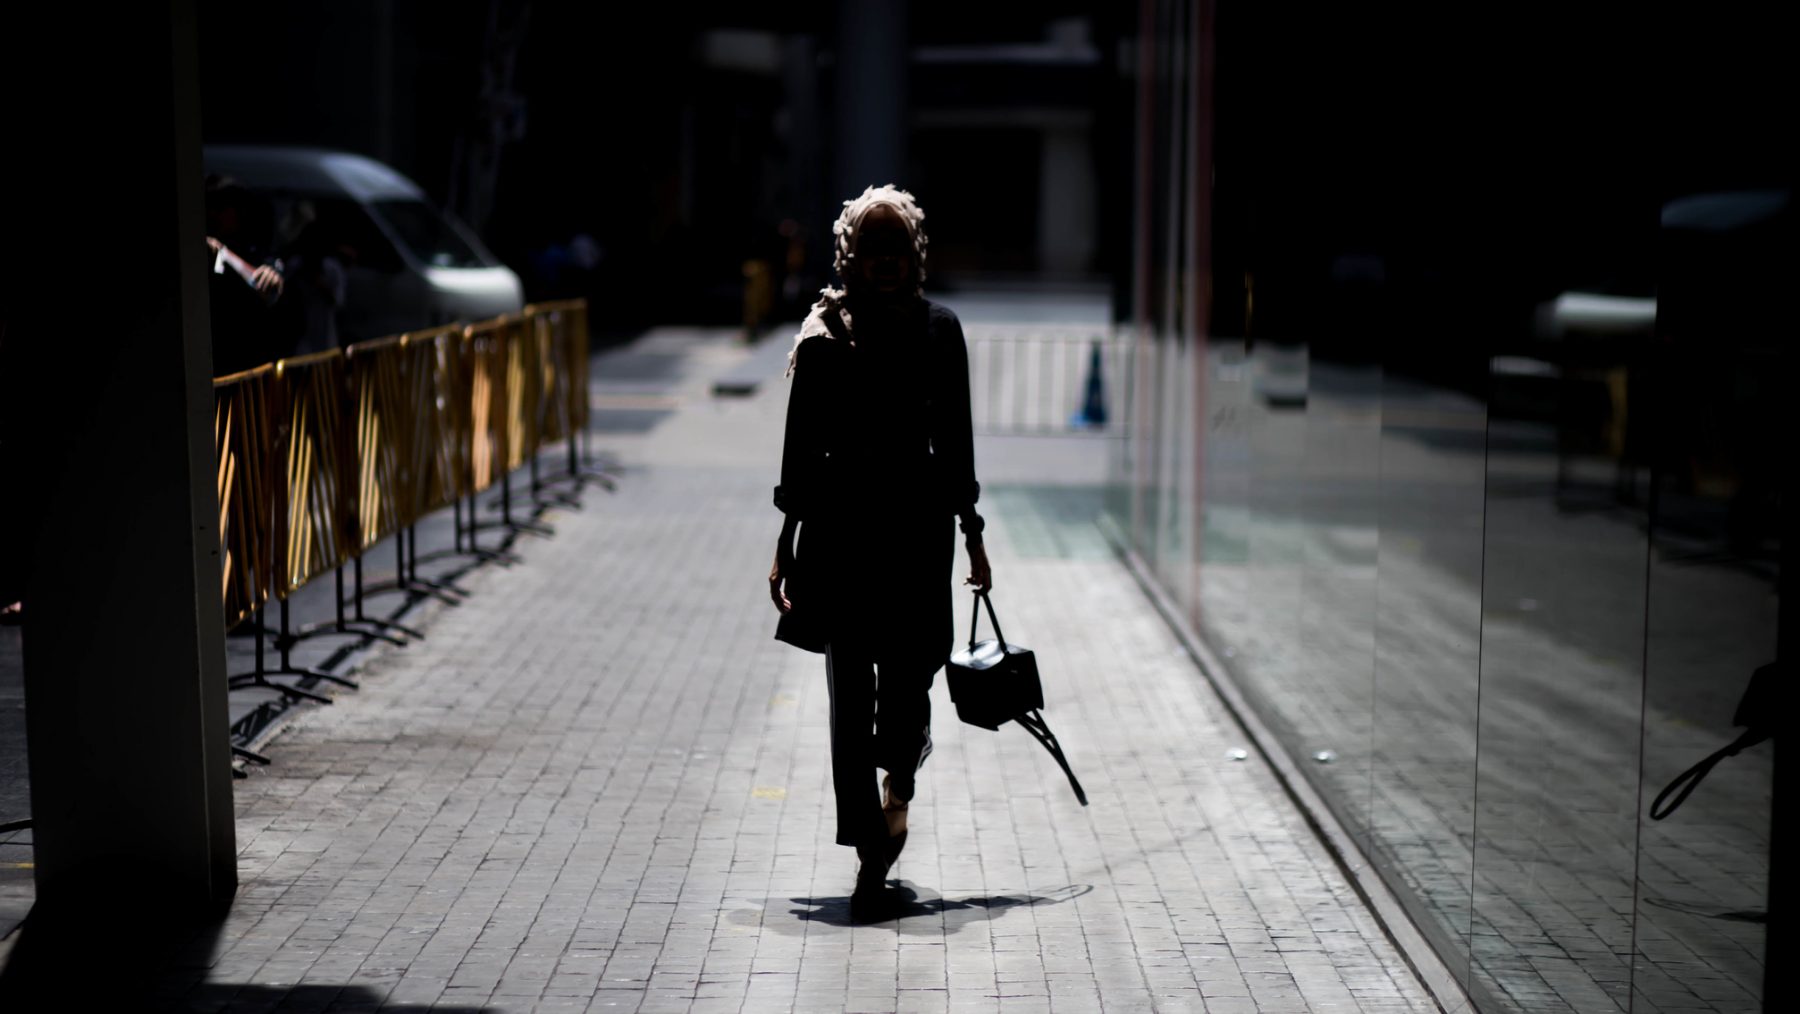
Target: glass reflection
point(1428, 652)
point(1274, 648)
point(1332, 690)
point(1476, 492)
point(1225, 508)
point(1714, 570)
point(1561, 663)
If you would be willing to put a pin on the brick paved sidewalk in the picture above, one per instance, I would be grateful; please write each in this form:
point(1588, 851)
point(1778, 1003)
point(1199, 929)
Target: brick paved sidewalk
point(601, 786)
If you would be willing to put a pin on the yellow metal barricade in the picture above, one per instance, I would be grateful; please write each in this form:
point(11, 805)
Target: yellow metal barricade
point(562, 334)
point(283, 450)
point(314, 504)
point(394, 397)
point(524, 378)
point(431, 368)
point(442, 355)
point(384, 429)
point(503, 421)
point(542, 332)
point(484, 360)
point(242, 439)
point(322, 456)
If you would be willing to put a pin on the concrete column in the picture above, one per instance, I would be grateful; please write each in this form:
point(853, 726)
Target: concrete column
point(871, 96)
point(108, 436)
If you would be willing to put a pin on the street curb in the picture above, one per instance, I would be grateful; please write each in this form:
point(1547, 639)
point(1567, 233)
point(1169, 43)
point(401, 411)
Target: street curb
point(1426, 965)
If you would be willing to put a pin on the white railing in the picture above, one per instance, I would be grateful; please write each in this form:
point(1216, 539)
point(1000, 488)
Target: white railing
point(1048, 380)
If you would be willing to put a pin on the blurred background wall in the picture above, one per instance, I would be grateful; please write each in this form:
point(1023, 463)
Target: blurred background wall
point(643, 160)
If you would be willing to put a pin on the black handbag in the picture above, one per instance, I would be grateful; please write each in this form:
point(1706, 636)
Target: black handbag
point(992, 683)
point(804, 625)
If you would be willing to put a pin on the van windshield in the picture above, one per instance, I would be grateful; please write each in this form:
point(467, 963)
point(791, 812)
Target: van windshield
point(429, 235)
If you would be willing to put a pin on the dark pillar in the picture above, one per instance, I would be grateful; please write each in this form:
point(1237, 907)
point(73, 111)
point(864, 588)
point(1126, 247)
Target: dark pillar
point(807, 179)
point(108, 458)
point(871, 96)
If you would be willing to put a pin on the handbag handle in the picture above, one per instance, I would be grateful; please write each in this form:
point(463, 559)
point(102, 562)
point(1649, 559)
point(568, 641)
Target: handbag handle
point(975, 619)
point(1688, 780)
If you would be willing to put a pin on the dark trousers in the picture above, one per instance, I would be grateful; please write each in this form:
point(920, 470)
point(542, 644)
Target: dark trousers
point(877, 721)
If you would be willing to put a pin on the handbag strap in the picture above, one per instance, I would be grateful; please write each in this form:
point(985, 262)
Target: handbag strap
point(975, 620)
point(1689, 780)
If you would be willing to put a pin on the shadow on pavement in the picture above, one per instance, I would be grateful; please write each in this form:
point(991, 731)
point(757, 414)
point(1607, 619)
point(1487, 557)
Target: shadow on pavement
point(327, 999)
point(906, 900)
point(141, 956)
point(144, 958)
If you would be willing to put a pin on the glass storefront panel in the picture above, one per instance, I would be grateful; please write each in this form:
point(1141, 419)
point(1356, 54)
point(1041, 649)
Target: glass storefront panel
point(1715, 444)
point(1334, 687)
point(1562, 628)
point(1225, 507)
point(1273, 649)
point(1475, 491)
point(1428, 652)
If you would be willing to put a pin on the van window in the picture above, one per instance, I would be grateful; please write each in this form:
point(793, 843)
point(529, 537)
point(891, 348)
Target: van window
point(350, 228)
point(320, 224)
point(429, 235)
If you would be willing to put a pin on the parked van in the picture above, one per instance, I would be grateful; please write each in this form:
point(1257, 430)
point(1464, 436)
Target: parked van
point(408, 264)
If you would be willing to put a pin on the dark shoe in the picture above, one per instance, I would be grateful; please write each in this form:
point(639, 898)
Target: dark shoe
point(868, 903)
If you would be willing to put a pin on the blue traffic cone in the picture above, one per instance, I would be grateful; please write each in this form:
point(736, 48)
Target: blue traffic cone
point(1093, 403)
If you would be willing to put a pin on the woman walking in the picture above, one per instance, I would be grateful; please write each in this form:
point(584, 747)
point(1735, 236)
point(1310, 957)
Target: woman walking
point(877, 460)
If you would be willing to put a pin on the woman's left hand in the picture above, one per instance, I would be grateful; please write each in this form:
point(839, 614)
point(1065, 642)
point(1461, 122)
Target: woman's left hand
point(981, 575)
point(776, 576)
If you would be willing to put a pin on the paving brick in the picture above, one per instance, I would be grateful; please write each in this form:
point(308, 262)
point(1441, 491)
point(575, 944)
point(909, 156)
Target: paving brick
point(601, 785)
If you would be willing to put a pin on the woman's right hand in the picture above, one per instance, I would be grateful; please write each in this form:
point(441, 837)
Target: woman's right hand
point(981, 573)
point(782, 605)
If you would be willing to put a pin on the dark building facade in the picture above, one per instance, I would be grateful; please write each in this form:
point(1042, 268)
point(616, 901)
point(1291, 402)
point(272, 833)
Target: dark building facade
point(643, 156)
point(1460, 350)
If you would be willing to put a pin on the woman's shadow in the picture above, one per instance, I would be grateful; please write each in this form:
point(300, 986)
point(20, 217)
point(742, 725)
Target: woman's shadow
point(910, 907)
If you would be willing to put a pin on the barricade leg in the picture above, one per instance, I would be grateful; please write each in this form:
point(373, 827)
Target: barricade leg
point(259, 676)
point(544, 492)
point(286, 642)
point(539, 494)
point(464, 542)
point(357, 600)
point(503, 503)
point(579, 471)
point(250, 755)
point(359, 626)
point(406, 581)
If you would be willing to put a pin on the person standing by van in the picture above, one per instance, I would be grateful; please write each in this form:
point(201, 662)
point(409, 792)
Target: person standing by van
point(245, 285)
point(319, 277)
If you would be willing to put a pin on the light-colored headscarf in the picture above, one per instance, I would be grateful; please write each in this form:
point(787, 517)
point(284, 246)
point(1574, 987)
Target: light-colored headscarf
point(845, 231)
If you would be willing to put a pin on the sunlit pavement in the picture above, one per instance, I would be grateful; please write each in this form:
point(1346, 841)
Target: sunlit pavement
point(602, 785)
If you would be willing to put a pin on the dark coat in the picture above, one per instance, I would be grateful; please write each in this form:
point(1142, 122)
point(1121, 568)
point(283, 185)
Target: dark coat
point(878, 460)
